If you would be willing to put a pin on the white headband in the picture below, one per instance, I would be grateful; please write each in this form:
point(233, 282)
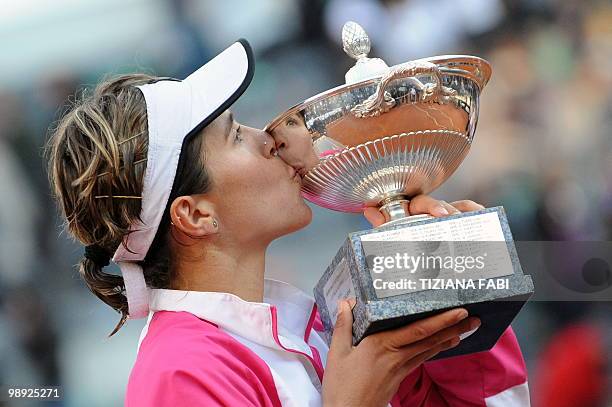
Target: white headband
point(176, 111)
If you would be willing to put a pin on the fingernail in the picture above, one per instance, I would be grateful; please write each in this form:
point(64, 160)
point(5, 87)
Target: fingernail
point(461, 314)
point(475, 323)
point(352, 301)
point(439, 211)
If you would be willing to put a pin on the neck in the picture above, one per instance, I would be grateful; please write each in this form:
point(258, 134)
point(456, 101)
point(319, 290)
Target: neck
point(234, 270)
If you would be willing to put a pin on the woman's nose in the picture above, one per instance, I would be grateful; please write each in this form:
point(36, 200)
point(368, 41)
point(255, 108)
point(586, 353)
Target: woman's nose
point(282, 142)
point(269, 146)
point(295, 147)
point(287, 146)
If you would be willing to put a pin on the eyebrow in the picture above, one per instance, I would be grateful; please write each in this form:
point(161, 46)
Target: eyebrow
point(230, 117)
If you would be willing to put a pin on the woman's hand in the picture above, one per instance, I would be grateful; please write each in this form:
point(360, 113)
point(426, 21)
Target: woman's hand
point(370, 373)
point(425, 204)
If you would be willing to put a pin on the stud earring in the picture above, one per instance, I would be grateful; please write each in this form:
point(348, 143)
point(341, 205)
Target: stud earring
point(215, 224)
point(265, 143)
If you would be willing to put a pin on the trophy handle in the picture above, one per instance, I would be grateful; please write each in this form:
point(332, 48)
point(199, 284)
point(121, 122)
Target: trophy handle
point(381, 100)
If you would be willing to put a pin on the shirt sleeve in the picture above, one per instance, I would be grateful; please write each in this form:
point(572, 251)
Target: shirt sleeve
point(494, 378)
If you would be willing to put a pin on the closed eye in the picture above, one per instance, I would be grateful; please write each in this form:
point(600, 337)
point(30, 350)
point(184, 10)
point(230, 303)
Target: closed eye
point(238, 135)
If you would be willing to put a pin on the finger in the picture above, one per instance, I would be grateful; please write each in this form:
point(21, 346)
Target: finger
point(342, 338)
point(424, 328)
point(450, 208)
point(352, 302)
point(421, 358)
point(466, 205)
point(442, 336)
point(374, 216)
point(425, 204)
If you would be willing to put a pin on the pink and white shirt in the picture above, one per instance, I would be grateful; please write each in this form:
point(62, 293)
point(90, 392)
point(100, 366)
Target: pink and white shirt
point(215, 349)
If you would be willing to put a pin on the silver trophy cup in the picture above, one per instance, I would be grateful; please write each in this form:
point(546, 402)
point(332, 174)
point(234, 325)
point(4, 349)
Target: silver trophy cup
point(385, 136)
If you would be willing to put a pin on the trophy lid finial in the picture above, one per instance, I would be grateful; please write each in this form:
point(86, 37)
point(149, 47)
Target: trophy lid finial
point(356, 44)
point(355, 41)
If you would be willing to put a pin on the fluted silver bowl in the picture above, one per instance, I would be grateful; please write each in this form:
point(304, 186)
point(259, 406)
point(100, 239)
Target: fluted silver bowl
point(390, 137)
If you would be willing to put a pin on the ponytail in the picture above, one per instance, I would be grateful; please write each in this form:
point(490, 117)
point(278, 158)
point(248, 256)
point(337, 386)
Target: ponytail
point(109, 288)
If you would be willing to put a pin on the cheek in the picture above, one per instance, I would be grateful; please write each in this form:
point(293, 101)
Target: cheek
point(305, 215)
point(286, 211)
point(299, 148)
point(245, 175)
point(300, 141)
point(304, 151)
point(255, 190)
point(278, 206)
point(295, 207)
point(245, 179)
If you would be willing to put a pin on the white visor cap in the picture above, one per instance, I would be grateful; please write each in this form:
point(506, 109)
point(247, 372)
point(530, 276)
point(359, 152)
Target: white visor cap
point(176, 111)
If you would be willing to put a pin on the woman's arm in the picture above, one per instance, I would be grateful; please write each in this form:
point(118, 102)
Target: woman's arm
point(494, 378)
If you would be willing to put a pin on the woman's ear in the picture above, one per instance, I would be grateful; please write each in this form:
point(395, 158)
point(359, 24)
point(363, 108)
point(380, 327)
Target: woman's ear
point(193, 216)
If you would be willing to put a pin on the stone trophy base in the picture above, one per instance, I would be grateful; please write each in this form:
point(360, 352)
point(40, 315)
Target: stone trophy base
point(501, 289)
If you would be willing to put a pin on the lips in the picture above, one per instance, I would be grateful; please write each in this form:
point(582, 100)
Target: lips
point(297, 177)
point(300, 170)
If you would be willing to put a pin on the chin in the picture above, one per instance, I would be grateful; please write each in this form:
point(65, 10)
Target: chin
point(301, 216)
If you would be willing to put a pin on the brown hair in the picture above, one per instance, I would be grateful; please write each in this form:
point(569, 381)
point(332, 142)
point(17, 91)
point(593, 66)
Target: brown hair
point(97, 158)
